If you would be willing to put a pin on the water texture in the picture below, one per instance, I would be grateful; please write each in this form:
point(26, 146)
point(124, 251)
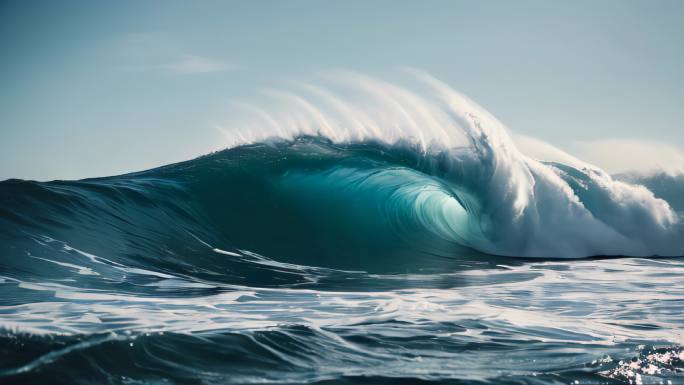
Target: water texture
point(364, 258)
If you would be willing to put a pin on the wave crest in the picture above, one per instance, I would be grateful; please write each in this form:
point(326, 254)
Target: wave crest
point(525, 207)
point(361, 177)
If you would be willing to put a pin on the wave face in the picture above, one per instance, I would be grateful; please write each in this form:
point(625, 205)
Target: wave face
point(311, 201)
point(346, 251)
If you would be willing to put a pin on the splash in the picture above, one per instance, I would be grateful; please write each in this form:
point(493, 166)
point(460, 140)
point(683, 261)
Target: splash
point(362, 233)
point(519, 206)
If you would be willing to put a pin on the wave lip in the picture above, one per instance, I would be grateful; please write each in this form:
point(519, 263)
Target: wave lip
point(525, 207)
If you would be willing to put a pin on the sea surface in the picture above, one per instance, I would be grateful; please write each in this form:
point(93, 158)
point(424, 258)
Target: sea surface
point(310, 262)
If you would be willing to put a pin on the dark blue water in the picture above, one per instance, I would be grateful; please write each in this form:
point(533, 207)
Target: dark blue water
point(310, 262)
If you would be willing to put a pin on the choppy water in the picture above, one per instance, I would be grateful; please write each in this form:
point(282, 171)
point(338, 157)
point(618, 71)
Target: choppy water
point(528, 322)
point(347, 260)
point(134, 279)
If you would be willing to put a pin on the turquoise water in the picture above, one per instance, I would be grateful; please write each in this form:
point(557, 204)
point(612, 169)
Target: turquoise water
point(307, 261)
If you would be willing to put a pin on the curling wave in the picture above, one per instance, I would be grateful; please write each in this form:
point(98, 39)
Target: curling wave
point(361, 235)
point(313, 202)
point(328, 185)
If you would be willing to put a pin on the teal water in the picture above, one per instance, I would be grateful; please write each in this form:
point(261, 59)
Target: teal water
point(307, 261)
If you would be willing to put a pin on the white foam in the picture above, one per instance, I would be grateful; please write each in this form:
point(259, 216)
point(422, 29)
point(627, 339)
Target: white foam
point(526, 207)
point(587, 306)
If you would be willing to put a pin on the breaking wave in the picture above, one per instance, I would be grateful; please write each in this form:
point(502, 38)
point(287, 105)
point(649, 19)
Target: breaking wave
point(375, 168)
point(366, 236)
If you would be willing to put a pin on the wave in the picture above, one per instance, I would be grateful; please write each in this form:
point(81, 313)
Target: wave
point(434, 177)
point(368, 235)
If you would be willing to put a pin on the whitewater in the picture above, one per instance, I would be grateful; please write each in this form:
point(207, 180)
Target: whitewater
point(355, 230)
point(500, 201)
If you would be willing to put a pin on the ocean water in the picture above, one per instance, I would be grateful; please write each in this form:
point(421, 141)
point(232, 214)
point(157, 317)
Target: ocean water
point(252, 266)
point(423, 247)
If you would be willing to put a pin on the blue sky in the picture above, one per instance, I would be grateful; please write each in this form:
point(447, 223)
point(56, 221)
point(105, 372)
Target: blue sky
point(98, 88)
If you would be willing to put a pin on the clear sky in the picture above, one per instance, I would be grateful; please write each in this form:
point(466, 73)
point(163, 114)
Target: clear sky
point(96, 88)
